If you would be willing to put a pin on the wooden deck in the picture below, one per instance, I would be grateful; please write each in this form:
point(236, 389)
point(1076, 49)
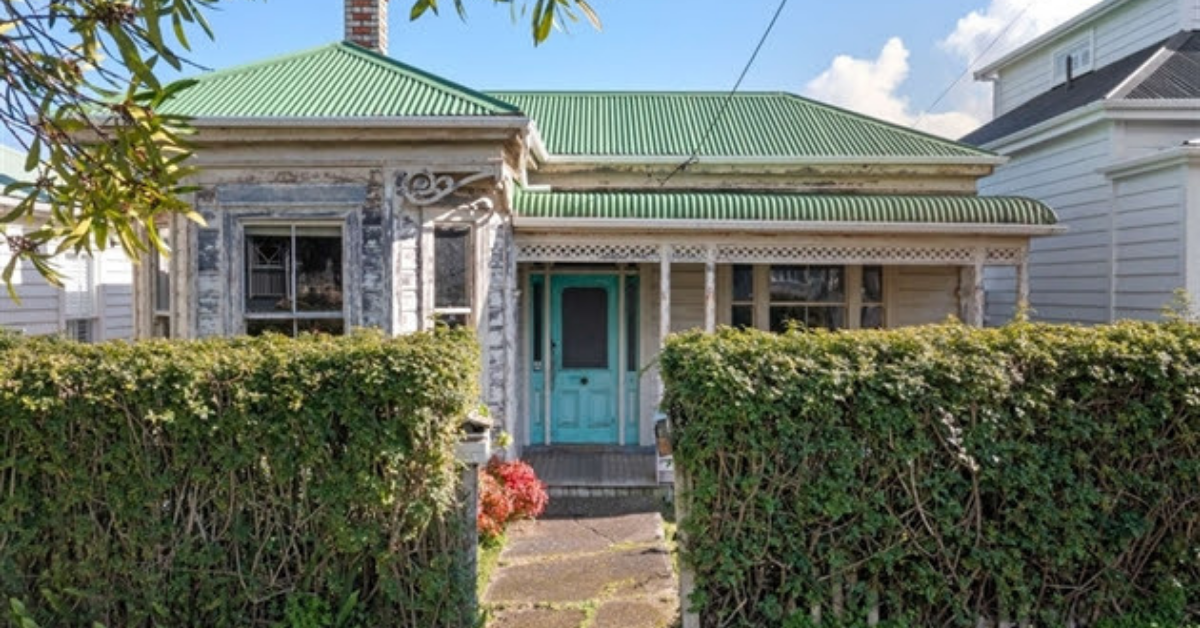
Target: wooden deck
point(566, 466)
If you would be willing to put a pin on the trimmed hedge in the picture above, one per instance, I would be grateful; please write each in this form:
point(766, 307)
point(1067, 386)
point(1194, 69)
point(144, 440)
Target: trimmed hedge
point(240, 482)
point(944, 474)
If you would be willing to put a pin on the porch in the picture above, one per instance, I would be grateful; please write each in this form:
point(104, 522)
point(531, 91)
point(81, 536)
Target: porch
point(604, 277)
point(594, 313)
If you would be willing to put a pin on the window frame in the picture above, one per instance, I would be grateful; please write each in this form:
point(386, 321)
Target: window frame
point(1062, 53)
point(161, 319)
point(853, 298)
point(471, 249)
point(246, 231)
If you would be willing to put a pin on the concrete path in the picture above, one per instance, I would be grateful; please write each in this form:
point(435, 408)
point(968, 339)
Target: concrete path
point(585, 572)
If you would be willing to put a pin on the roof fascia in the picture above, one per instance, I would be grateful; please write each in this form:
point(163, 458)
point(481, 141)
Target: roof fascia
point(609, 160)
point(1058, 125)
point(1098, 111)
point(823, 227)
point(988, 71)
point(423, 122)
point(1176, 156)
point(1135, 78)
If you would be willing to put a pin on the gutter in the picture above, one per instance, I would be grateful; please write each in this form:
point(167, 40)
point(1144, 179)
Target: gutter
point(874, 228)
point(675, 160)
point(440, 122)
point(1175, 156)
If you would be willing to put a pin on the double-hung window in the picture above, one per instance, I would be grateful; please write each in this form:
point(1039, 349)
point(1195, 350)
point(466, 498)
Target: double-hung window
point(453, 284)
point(160, 288)
point(80, 309)
point(294, 279)
point(778, 297)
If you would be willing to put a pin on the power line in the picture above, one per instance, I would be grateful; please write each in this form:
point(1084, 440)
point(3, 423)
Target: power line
point(712, 125)
point(971, 64)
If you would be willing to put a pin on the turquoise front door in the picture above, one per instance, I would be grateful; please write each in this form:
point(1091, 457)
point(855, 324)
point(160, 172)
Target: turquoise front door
point(583, 343)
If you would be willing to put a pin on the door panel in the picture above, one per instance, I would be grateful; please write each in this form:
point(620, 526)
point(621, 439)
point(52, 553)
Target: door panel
point(583, 322)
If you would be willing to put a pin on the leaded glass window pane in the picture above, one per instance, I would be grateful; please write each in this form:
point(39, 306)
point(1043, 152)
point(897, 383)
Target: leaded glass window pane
point(451, 265)
point(808, 284)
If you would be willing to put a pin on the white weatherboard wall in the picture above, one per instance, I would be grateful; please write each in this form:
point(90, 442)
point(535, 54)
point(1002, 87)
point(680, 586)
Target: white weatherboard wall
point(1149, 240)
point(115, 292)
point(43, 308)
point(38, 311)
point(1121, 32)
point(1069, 273)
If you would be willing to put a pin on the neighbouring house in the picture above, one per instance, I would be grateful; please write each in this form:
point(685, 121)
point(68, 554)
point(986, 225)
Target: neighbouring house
point(1100, 118)
point(96, 300)
point(573, 230)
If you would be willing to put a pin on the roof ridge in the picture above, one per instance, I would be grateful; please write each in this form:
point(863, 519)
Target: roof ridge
point(892, 125)
point(427, 77)
point(633, 92)
point(348, 47)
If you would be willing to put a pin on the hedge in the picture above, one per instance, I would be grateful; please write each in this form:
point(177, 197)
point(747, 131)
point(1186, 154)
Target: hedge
point(240, 482)
point(941, 476)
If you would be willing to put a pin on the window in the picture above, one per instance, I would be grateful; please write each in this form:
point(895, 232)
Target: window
point(294, 280)
point(80, 329)
point(830, 297)
point(812, 296)
point(743, 297)
point(1073, 60)
point(452, 283)
point(160, 288)
point(79, 296)
point(873, 315)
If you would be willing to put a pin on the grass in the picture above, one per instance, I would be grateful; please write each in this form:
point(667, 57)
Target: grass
point(489, 559)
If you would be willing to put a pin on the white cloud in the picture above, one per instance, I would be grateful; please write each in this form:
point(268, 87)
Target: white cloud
point(873, 86)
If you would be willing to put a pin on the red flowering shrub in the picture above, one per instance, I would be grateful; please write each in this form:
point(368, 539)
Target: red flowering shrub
point(508, 491)
point(495, 507)
point(527, 492)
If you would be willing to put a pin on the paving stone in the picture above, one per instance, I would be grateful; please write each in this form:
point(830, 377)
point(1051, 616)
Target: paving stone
point(582, 578)
point(537, 618)
point(659, 613)
point(528, 539)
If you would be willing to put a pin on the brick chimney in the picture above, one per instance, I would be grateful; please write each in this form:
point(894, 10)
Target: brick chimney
point(367, 24)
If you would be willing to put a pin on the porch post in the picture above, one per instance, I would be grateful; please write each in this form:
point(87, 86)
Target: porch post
point(1023, 285)
point(710, 290)
point(666, 252)
point(977, 294)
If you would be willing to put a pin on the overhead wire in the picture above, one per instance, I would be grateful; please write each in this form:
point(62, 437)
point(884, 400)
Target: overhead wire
point(972, 63)
point(712, 125)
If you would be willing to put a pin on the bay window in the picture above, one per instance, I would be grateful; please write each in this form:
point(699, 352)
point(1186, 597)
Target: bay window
point(294, 279)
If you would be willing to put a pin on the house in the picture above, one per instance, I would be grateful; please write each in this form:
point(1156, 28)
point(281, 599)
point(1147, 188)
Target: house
point(1099, 119)
point(572, 230)
point(96, 300)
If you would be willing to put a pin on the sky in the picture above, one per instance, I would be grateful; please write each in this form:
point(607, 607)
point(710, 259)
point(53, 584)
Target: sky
point(887, 58)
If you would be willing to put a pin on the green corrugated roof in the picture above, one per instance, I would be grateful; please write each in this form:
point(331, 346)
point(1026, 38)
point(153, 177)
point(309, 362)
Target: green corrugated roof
point(757, 124)
point(339, 80)
point(767, 207)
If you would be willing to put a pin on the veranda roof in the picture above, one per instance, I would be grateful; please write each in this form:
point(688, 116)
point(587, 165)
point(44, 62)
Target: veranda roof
point(768, 210)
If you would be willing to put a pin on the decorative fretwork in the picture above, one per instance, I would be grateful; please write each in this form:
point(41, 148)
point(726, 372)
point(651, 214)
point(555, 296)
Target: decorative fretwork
point(690, 253)
point(426, 188)
point(587, 252)
point(1005, 257)
point(845, 254)
point(810, 253)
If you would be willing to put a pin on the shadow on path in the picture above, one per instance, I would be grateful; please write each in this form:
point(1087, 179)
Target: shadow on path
point(590, 563)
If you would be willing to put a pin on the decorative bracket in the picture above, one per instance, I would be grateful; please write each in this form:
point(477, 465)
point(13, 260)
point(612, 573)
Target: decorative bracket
point(426, 188)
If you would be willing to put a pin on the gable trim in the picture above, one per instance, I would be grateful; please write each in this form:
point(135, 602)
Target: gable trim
point(988, 72)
